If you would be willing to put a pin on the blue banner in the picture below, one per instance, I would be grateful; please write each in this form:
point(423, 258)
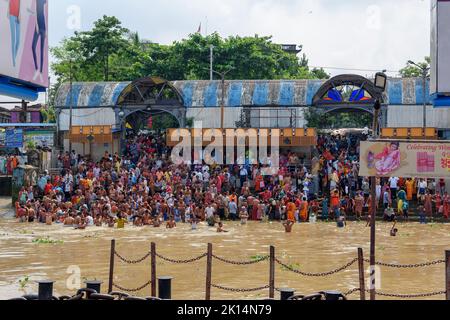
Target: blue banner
point(14, 138)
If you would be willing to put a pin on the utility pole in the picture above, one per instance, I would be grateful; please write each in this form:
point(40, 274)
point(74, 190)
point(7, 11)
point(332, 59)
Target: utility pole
point(222, 76)
point(424, 78)
point(211, 58)
point(71, 106)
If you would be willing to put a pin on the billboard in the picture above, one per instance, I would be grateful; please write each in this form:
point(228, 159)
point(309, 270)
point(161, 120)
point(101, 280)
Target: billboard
point(405, 159)
point(440, 47)
point(14, 138)
point(24, 41)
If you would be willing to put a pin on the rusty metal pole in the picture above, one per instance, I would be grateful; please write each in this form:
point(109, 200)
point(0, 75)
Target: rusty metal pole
point(208, 272)
point(111, 265)
point(272, 273)
point(153, 267)
point(447, 274)
point(362, 284)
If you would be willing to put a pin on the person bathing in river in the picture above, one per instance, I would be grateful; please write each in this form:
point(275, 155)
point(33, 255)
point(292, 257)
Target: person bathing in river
point(171, 223)
point(243, 215)
point(394, 230)
point(220, 228)
point(288, 226)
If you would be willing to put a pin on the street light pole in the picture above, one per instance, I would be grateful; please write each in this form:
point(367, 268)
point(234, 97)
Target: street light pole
point(424, 78)
point(373, 182)
point(380, 85)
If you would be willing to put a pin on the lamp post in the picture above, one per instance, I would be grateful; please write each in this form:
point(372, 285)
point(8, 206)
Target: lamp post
point(380, 85)
point(425, 74)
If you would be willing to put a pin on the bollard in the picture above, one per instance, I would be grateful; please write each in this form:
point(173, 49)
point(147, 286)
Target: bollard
point(111, 266)
point(447, 274)
point(333, 295)
point(165, 288)
point(94, 284)
point(272, 273)
point(286, 293)
point(45, 290)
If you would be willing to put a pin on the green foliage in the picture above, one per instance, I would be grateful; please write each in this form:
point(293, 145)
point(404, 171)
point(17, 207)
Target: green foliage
point(47, 240)
point(164, 121)
point(412, 71)
point(320, 120)
point(190, 122)
point(258, 257)
point(31, 145)
point(24, 282)
point(111, 52)
point(295, 266)
point(48, 115)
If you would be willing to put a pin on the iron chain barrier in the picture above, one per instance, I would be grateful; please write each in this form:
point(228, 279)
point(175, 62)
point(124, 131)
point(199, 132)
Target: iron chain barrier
point(410, 296)
point(406, 266)
point(133, 290)
point(398, 295)
point(239, 290)
point(241, 263)
point(132, 261)
point(348, 293)
point(182, 261)
point(321, 274)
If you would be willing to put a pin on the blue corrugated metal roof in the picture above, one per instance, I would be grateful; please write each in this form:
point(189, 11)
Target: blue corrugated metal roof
point(237, 93)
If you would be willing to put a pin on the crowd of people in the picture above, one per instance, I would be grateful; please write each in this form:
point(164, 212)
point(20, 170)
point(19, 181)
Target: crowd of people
point(142, 187)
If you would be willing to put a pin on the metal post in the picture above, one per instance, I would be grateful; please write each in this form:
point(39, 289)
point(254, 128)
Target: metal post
point(447, 274)
point(71, 108)
point(153, 268)
point(211, 58)
point(424, 76)
point(111, 265)
point(208, 272)
point(165, 288)
point(272, 273)
point(373, 220)
point(362, 284)
point(222, 103)
point(45, 290)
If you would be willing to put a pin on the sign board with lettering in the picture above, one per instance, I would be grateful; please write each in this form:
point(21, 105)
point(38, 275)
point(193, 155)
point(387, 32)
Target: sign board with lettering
point(405, 159)
point(14, 138)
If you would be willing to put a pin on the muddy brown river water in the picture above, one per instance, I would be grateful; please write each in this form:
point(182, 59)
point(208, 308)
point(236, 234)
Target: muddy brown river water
point(310, 247)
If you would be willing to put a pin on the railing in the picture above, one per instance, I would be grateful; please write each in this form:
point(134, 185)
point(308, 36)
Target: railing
point(273, 260)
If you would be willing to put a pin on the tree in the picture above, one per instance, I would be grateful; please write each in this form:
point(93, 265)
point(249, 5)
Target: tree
point(322, 120)
point(412, 71)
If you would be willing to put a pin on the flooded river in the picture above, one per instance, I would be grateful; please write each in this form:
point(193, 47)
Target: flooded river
point(314, 248)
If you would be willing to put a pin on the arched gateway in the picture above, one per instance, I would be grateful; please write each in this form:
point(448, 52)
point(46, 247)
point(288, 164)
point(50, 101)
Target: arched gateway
point(349, 93)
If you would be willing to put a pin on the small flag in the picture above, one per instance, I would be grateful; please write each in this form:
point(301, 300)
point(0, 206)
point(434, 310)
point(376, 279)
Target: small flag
point(199, 28)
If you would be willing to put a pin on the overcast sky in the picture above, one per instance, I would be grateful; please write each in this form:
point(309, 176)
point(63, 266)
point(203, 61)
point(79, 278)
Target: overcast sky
point(350, 34)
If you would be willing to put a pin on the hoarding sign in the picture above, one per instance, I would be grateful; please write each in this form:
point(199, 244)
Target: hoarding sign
point(14, 138)
point(40, 138)
point(24, 40)
point(405, 159)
